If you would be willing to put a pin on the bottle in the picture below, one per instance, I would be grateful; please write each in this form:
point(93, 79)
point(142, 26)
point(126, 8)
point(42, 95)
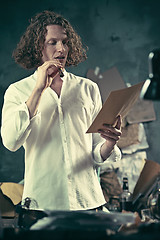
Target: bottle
point(125, 197)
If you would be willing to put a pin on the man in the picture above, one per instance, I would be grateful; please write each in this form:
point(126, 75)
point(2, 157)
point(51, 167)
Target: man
point(49, 115)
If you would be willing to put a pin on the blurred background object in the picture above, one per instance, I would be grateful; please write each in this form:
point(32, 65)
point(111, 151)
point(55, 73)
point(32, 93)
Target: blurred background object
point(151, 88)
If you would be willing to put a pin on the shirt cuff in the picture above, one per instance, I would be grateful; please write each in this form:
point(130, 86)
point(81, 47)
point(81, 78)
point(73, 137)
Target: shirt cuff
point(110, 161)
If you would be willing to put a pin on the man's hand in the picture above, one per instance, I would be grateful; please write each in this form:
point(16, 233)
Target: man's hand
point(112, 134)
point(46, 73)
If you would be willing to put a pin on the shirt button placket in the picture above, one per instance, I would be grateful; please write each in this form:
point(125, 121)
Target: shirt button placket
point(66, 153)
point(64, 138)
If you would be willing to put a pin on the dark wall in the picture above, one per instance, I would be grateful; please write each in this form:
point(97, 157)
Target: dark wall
point(118, 33)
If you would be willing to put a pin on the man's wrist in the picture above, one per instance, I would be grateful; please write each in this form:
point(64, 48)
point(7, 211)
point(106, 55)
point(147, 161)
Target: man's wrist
point(105, 151)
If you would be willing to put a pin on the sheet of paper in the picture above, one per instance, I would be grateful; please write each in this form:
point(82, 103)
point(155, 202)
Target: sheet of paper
point(131, 165)
point(143, 143)
point(147, 177)
point(119, 102)
point(130, 136)
point(13, 190)
point(142, 111)
point(107, 81)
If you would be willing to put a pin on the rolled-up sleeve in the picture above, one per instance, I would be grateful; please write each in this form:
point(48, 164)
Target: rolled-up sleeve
point(114, 157)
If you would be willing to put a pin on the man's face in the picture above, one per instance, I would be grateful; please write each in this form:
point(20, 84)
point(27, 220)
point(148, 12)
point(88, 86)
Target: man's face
point(55, 45)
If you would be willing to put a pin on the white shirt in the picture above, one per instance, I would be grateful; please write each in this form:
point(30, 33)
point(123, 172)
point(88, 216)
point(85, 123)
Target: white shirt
point(60, 157)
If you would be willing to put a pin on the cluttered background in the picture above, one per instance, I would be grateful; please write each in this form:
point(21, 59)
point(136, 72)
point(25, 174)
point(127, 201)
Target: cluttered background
point(119, 34)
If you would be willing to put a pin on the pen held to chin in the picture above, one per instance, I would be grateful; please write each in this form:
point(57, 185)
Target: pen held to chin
point(61, 72)
point(50, 71)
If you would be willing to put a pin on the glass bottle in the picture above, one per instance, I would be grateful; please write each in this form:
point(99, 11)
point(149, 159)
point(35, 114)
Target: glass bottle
point(125, 197)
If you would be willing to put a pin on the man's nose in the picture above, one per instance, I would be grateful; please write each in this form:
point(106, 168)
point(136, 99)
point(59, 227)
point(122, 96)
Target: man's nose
point(60, 46)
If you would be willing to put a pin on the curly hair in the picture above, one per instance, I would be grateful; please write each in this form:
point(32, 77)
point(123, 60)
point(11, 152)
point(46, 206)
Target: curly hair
point(29, 50)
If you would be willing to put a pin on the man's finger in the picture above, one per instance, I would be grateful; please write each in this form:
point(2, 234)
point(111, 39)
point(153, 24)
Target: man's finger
point(119, 122)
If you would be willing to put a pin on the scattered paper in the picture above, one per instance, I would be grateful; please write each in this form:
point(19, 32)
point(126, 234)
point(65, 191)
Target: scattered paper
point(107, 81)
point(141, 145)
point(142, 111)
point(13, 191)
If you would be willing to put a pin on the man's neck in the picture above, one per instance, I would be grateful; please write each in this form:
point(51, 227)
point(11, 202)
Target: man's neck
point(57, 85)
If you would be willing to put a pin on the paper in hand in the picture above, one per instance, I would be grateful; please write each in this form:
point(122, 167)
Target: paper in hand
point(119, 102)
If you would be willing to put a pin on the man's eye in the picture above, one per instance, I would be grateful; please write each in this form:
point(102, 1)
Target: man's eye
point(52, 43)
point(65, 41)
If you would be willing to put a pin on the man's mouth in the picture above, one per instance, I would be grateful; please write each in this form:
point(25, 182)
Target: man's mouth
point(60, 57)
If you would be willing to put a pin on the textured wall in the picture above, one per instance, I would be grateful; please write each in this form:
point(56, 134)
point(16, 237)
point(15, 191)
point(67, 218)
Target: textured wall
point(118, 33)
